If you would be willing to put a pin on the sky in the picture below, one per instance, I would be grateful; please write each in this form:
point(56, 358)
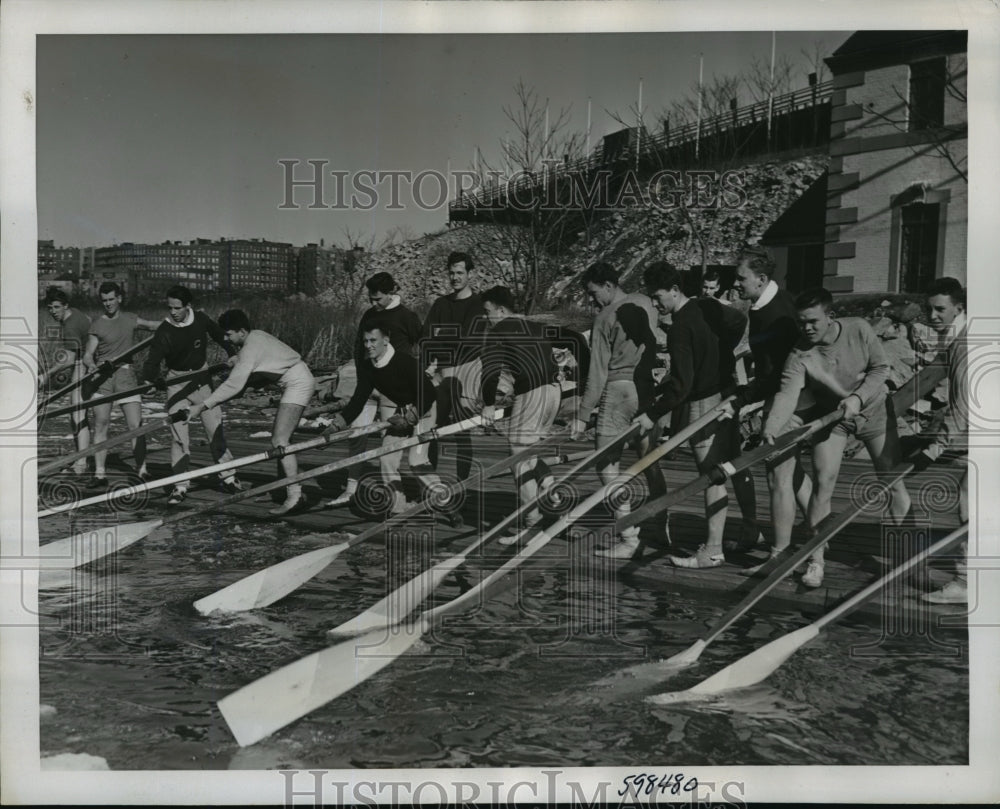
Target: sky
point(147, 138)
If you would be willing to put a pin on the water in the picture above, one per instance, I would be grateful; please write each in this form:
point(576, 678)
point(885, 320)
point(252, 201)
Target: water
point(134, 672)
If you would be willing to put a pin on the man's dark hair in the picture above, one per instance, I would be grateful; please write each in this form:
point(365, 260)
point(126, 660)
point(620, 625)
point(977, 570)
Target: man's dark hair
point(54, 295)
point(234, 320)
point(946, 285)
point(661, 275)
point(379, 324)
point(759, 262)
point(381, 282)
point(599, 273)
point(183, 294)
point(499, 296)
point(110, 286)
point(817, 296)
point(711, 274)
point(454, 258)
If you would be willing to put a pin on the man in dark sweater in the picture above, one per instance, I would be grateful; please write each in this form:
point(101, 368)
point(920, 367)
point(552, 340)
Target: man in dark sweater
point(774, 332)
point(450, 353)
point(181, 341)
point(405, 399)
point(405, 330)
point(519, 347)
point(691, 389)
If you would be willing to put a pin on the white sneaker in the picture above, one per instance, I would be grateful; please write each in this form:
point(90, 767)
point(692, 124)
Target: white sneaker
point(293, 500)
point(701, 560)
point(343, 498)
point(954, 592)
point(625, 549)
point(813, 577)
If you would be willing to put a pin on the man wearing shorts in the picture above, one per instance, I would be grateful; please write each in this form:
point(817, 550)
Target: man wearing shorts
point(450, 352)
point(841, 363)
point(110, 336)
point(74, 326)
point(405, 332)
point(946, 314)
point(692, 389)
point(611, 386)
point(268, 359)
point(181, 341)
point(519, 347)
point(773, 333)
point(405, 399)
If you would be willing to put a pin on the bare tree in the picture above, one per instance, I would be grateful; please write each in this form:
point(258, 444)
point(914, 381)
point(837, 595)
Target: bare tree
point(759, 82)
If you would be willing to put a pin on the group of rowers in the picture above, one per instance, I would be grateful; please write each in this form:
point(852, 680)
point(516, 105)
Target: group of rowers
point(416, 376)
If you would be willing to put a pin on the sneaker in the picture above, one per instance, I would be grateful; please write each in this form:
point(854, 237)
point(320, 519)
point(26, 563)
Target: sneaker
point(100, 483)
point(813, 577)
point(954, 592)
point(144, 475)
point(765, 567)
point(292, 501)
point(233, 486)
point(177, 496)
point(343, 498)
point(627, 548)
point(701, 560)
point(80, 468)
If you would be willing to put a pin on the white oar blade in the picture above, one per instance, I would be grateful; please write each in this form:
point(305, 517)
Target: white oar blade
point(749, 670)
point(399, 603)
point(270, 584)
point(86, 546)
point(686, 658)
point(259, 709)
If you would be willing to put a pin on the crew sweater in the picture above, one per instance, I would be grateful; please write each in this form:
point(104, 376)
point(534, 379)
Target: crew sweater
point(728, 324)
point(183, 346)
point(401, 380)
point(453, 332)
point(954, 429)
point(403, 324)
point(774, 332)
point(852, 363)
point(694, 362)
point(613, 356)
point(263, 355)
point(520, 347)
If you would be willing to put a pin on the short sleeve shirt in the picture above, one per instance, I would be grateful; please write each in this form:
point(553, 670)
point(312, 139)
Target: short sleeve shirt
point(114, 335)
point(75, 329)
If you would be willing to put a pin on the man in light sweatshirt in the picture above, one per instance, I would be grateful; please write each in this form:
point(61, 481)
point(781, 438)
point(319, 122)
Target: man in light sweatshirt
point(611, 388)
point(840, 361)
point(269, 359)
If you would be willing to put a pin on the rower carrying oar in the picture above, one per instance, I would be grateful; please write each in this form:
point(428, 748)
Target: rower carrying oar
point(289, 693)
point(273, 583)
point(148, 387)
point(404, 599)
point(105, 367)
point(57, 554)
point(235, 463)
point(761, 663)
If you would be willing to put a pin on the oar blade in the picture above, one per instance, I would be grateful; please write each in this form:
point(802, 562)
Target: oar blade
point(750, 670)
point(686, 658)
point(271, 584)
point(266, 705)
point(399, 603)
point(84, 547)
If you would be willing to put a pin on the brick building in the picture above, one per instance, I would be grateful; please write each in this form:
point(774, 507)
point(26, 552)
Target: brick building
point(897, 190)
point(256, 264)
point(317, 267)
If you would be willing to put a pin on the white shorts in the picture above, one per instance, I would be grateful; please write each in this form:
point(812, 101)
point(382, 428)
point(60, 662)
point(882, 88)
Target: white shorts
point(297, 385)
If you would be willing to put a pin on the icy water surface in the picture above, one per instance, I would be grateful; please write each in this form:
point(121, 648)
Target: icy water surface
point(525, 679)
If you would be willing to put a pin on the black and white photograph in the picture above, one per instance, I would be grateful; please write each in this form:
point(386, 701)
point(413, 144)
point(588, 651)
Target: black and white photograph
point(499, 402)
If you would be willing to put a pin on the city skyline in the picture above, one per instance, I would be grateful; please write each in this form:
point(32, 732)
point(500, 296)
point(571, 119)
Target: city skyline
point(153, 138)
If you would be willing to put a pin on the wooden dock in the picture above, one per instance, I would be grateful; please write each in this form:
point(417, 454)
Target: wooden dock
point(852, 559)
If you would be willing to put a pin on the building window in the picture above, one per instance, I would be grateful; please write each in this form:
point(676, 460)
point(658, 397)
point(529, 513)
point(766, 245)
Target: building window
point(918, 247)
point(926, 103)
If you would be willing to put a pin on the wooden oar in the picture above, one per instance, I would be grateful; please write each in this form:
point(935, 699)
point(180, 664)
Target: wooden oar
point(404, 599)
point(62, 550)
point(779, 570)
point(286, 694)
point(275, 582)
point(154, 424)
point(760, 664)
point(235, 463)
point(721, 473)
point(136, 391)
point(114, 361)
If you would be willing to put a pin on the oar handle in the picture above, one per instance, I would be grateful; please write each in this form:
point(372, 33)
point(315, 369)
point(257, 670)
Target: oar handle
point(354, 460)
point(875, 586)
point(114, 361)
